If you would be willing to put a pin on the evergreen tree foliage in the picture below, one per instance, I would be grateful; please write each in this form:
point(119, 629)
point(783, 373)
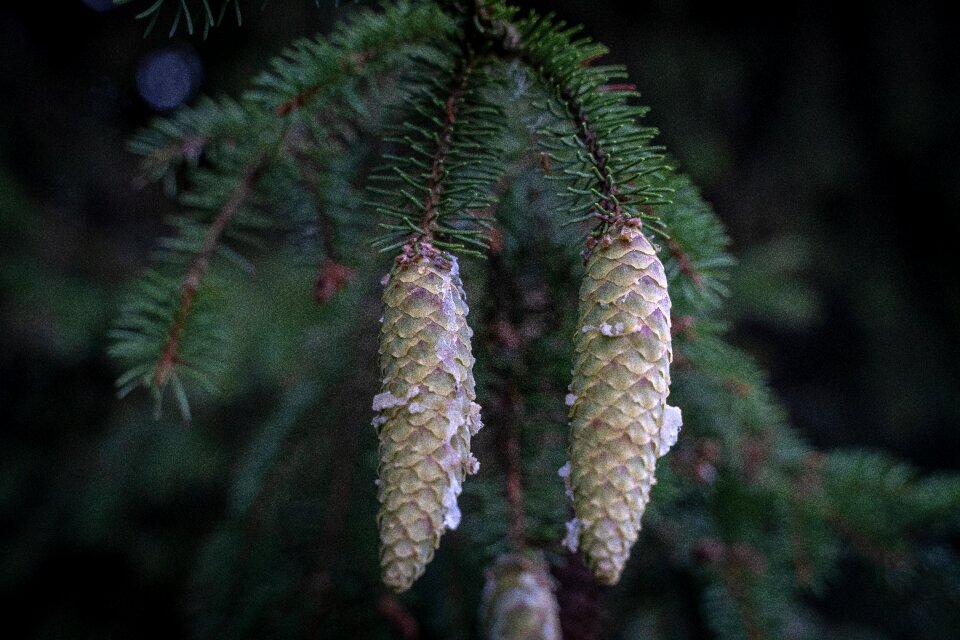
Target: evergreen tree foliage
point(188, 14)
point(451, 128)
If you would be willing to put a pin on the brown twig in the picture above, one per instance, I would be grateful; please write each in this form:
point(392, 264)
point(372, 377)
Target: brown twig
point(684, 324)
point(861, 541)
point(616, 87)
point(611, 197)
point(169, 357)
point(507, 405)
point(806, 488)
point(733, 573)
point(584, 129)
point(297, 101)
point(188, 148)
point(434, 183)
point(399, 617)
point(685, 263)
point(352, 62)
point(582, 615)
point(610, 203)
point(332, 275)
point(737, 386)
point(737, 565)
point(517, 529)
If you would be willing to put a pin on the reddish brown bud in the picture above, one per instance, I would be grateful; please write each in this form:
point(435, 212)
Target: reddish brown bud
point(331, 278)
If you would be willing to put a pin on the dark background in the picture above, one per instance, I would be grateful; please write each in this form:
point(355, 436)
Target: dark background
point(825, 135)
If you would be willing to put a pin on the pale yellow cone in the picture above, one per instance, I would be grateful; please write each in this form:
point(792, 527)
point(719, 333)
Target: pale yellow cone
point(619, 418)
point(518, 600)
point(426, 413)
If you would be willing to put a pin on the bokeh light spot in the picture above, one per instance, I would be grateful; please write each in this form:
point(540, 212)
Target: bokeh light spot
point(101, 6)
point(169, 77)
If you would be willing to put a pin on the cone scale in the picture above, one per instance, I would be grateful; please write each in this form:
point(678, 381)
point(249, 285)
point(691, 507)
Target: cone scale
point(620, 422)
point(426, 414)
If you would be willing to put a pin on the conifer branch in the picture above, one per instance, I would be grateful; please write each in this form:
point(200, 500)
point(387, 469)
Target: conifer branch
point(351, 62)
point(272, 146)
point(187, 13)
point(162, 331)
point(332, 275)
point(435, 179)
point(739, 565)
point(615, 186)
point(198, 268)
point(435, 193)
point(583, 127)
point(684, 262)
point(182, 138)
point(304, 77)
point(312, 70)
point(585, 132)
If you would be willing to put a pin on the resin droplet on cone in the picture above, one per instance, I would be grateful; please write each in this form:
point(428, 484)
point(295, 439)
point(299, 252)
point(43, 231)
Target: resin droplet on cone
point(620, 422)
point(518, 600)
point(426, 412)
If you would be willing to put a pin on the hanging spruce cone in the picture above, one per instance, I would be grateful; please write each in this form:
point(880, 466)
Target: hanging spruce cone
point(518, 601)
point(619, 419)
point(426, 413)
